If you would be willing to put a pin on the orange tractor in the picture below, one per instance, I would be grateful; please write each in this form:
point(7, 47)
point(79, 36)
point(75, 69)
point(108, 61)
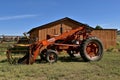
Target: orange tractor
point(76, 41)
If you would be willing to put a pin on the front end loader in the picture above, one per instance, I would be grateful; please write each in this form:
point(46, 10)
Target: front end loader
point(76, 41)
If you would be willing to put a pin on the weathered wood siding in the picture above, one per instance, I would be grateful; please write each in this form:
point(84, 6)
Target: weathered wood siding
point(107, 36)
point(54, 30)
point(34, 35)
point(41, 34)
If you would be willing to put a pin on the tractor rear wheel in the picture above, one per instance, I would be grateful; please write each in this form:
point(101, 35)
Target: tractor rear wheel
point(51, 56)
point(91, 49)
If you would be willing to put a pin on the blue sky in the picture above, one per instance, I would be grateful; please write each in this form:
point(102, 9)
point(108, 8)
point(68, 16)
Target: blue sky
point(19, 16)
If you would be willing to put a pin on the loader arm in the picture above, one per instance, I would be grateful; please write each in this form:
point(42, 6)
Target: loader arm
point(42, 43)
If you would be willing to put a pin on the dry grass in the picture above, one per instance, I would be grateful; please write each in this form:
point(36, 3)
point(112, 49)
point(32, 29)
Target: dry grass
point(65, 69)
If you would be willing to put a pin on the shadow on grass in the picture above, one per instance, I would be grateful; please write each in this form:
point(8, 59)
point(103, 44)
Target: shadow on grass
point(70, 59)
point(2, 61)
point(61, 59)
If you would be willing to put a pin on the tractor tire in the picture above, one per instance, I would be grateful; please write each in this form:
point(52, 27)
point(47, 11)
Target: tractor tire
point(91, 49)
point(51, 56)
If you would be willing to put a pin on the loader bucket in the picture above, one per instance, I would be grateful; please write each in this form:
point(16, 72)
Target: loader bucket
point(31, 56)
point(27, 59)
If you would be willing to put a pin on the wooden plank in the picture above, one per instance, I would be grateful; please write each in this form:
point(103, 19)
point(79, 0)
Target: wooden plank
point(108, 37)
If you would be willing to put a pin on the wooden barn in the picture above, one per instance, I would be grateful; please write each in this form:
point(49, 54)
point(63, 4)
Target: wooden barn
point(107, 36)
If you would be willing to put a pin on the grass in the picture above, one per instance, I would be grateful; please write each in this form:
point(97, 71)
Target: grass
point(118, 42)
point(4, 46)
point(65, 69)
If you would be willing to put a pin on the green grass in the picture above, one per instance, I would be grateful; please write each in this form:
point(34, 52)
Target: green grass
point(65, 69)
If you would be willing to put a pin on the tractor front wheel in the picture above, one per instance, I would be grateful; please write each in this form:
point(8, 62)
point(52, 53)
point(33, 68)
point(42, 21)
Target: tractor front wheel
point(91, 49)
point(51, 56)
point(43, 55)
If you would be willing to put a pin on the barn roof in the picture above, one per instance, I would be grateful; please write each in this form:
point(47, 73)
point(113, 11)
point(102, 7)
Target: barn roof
point(58, 21)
